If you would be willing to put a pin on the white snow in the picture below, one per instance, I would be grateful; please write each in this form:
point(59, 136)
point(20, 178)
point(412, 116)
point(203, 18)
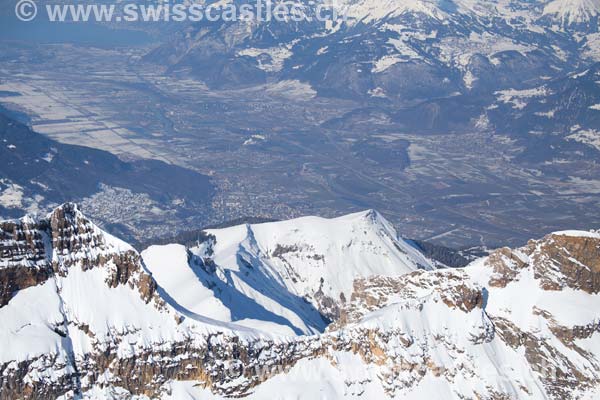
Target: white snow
point(48, 157)
point(469, 79)
point(251, 294)
point(404, 50)
point(320, 379)
point(377, 92)
point(517, 98)
point(254, 139)
point(568, 12)
point(264, 272)
point(277, 55)
point(292, 89)
point(337, 250)
point(547, 114)
point(26, 323)
point(368, 11)
point(589, 137)
point(573, 233)
point(169, 267)
point(11, 196)
point(457, 51)
point(591, 49)
point(345, 376)
point(385, 62)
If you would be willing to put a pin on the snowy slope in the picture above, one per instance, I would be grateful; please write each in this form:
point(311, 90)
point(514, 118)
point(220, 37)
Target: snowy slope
point(282, 273)
point(246, 298)
point(313, 249)
point(403, 51)
point(73, 294)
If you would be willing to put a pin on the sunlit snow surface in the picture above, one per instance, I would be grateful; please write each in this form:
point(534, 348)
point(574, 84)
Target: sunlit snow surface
point(266, 271)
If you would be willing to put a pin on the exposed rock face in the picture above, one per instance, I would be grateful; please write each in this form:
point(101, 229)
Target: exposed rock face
point(506, 265)
point(453, 288)
point(24, 262)
point(568, 261)
point(33, 251)
point(561, 259)
point(83, 318)
point(14, 279)
point(16, 384)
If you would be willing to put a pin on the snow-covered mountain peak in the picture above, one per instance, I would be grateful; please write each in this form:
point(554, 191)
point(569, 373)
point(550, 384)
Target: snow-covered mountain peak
point(566, 12)
point(311, 248)
point(63, 243)
point(70, 227)
point(295, 273)
point(62, 238)
point(572, 12)
point(367, 11)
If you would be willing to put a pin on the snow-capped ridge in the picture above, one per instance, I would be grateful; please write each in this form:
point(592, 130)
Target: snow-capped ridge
point(367, 11)
point(572, 12)
point(74, 217)
point(595, 234)
point(292, 273)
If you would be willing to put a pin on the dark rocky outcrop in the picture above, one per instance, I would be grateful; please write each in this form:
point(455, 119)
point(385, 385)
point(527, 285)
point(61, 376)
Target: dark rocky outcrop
point(34, 250)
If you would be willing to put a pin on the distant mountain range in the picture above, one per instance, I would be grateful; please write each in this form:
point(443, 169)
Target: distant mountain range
point(527, 69)
point(306, 308)
point(396, 51)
